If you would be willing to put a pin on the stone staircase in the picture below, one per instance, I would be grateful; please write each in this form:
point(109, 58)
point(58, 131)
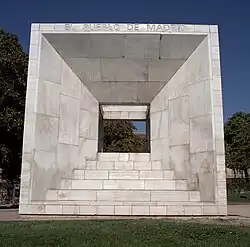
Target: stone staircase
point(123, 183)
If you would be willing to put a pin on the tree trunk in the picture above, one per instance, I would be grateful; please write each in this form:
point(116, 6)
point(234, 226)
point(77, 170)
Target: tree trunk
point(246, 175)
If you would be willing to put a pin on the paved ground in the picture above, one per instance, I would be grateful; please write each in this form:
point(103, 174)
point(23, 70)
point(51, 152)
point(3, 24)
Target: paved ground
point(234, 211)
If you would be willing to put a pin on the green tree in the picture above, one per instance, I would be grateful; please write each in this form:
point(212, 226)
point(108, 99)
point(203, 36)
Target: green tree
point(237, 142)
point(119, 137)
point(13, 76)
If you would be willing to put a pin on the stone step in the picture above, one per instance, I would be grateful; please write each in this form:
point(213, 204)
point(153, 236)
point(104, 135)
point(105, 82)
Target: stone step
point(123, 156)
point(83, 184)
point(114, 174)
point(122, 165)
point(123, 195)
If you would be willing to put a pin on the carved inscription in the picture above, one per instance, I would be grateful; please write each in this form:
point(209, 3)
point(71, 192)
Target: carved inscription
point(115, 27)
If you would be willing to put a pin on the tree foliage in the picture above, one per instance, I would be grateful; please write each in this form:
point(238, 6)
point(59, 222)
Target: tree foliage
point(119, 136)
point(13, 76)
point(237, 142)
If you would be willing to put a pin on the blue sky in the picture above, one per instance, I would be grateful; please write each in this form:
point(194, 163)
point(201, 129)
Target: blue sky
point(233, 17)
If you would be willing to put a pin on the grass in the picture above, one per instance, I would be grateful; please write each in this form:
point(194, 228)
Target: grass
point(120, 233)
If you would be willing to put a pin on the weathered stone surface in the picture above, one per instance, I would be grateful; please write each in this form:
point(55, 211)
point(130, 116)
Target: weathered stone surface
point(179, 121)
point(81, 73)
point(142, 46)
point(69, 120)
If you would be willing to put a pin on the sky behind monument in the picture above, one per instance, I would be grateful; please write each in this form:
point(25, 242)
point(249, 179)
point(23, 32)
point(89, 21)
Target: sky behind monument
point(232, 17)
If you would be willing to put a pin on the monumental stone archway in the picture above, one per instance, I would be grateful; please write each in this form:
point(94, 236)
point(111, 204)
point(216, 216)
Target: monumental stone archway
point(80, 74)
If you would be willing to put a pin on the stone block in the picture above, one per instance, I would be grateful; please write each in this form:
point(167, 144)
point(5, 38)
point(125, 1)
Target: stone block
point(53, 209)
point(163, 69)
point(105, 165)
point(156, 165)
point(86, 184)
point(123, 174)
point(203, 165)
point(113, 156)
point(124, 70)
point(25, 179)
point(179, 121)
point(187, 28)
point(217, 98)
point(159, 125)
point(66, 184)
point(88, 125)
point(48, 98)
point(35, 26)
point(142, 46)
point(139, 156)
point(175, 210)
point(32, 69)
point(96, 174)
point(176, 46)
point(216, 84)
point(47, 27)
point(209, 210)
point(90, 165)
point(86, 69)
point(123, 185)
point(106, 46)
point(122, 195)
point(66, 158)
point(124, 165)
point(201, 28)
point(87, 101)
point(88, 210)
point(79, 174)
point(70, 209)
point(123, 210)
point(168, 174)
point(179, 161)
point(160, 185)
point(157, 210)
point(216, 68)
point(29, 136)
point(32, 209)
point(181, 184)
point(193, 210)
point(199, 99)
point(151, 175)
point(136, 115)
point(220, 146)
point(198, 65)
point(194, 196)
point(215, 53)
point(178, 84)
point(70, 84)
point(77, 195)
point(140, 210)
point(159, 151)
point(46, 133)
point(50, 63)
point(180, 196)
point(213, 28)
point(69, 120)
point(142, 165)
point(105, 210)
point(214, 39)
point(160, 102)
point(87, 149)
point(124, 108)
point(33, 52)
point(201, 134)
point(51, 195)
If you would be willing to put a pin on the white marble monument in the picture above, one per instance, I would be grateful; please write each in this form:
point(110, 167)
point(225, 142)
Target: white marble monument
point(80, 74)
